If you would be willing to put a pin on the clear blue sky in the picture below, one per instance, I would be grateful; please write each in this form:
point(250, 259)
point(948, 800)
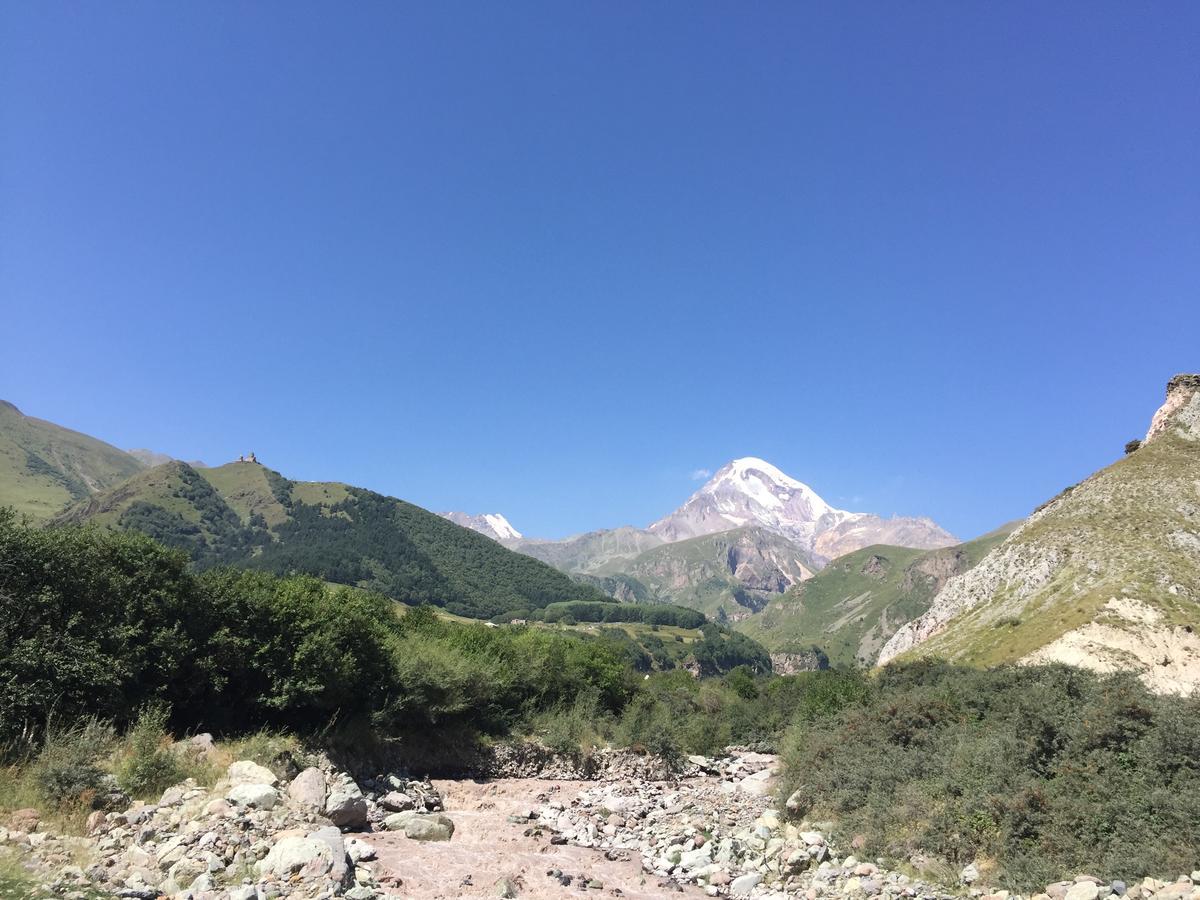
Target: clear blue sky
point(549, 258)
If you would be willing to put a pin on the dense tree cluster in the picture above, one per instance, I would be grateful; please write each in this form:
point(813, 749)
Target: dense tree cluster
point(95, 622)
point(648, 613)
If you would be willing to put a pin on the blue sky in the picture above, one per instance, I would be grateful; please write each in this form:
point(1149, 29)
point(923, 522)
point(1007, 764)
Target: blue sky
point(548, 259)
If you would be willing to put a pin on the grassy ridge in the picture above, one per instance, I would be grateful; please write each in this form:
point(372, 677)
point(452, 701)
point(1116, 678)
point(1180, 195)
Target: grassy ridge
point(44, 467)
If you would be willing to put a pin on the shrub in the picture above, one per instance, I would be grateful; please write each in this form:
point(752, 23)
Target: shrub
point(68, 769)
point(1048, 770)
point(149, 766)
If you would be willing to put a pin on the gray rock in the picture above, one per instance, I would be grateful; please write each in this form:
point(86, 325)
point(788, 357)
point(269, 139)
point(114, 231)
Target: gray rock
point(506, 888)
point(243, 892)
point(346, 807)
point(397, 821)
point(359, 851)
point(361, 892)
point(291, 855)
point(423, 826)
point(339, 869)
point(396, 801)
point(259, 796)
point(308, 789)
point(969, 874)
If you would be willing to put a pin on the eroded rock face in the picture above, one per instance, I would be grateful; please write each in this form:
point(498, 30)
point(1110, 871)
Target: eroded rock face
point(1181, 411)
point(1106, 575)
point(791, 663)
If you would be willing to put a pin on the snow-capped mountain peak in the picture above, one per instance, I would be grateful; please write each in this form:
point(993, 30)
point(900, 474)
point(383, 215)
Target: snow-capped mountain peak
point(494, 525)
point(501, 526)
point(751, 492)
point(769, 487)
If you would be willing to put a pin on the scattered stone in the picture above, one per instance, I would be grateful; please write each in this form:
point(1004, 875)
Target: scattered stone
point(507, 888)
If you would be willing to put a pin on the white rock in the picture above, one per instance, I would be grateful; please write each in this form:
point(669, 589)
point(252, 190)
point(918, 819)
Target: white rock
point(247, 772)
point(744, 884)
point(1085, 890)
point(260, 796)
point(297, 854)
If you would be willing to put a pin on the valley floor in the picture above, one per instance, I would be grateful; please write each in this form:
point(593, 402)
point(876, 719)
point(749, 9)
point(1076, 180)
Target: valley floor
point(488, 848)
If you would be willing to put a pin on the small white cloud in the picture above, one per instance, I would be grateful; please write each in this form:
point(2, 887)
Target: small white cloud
point(701, 474)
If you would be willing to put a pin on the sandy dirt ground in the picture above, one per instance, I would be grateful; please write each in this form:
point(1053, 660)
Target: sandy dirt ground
point(486, 848)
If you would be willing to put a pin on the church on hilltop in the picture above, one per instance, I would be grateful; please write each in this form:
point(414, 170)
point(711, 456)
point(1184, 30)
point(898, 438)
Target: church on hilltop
point(249, 457)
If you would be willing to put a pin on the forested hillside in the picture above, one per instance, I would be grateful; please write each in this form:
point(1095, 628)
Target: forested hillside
point(247, 515)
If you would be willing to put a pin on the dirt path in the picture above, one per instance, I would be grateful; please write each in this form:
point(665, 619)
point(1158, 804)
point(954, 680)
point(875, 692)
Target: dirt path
point(486, 847)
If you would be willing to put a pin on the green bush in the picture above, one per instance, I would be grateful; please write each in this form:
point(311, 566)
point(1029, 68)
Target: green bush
point(1051, 771)
point(149, 766)
point(68, 769)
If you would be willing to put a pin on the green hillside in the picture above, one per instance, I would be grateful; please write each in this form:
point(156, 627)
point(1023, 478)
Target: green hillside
point(247, 515)
point(727, 576)
point(44, 467)
point(851, 607)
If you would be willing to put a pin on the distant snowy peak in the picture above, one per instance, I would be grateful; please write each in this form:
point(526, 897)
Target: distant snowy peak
point(493, 525)
point(751, 491)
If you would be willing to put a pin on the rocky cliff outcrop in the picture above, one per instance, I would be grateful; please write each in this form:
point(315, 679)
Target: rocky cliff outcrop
point(1106, 575)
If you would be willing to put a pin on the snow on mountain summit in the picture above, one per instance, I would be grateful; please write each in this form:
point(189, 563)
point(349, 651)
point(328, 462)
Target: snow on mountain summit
point(751, 491)
point(494, 525)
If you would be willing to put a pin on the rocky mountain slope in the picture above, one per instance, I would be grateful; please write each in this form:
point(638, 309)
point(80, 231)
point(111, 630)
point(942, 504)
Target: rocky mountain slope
point(850, 608)
point(44, 467)
point(1105, 575)
point(728, 575)
point(592, 553)
point(751, 491)
point(248, 515)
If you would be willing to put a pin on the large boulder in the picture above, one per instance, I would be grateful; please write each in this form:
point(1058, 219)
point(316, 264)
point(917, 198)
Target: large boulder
point(248, 772)
point(397, 801)
point(260, 796)
point(305, 856)
point(421, 826)
point(308, 789)
point(346, 807)
point(341, 869)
